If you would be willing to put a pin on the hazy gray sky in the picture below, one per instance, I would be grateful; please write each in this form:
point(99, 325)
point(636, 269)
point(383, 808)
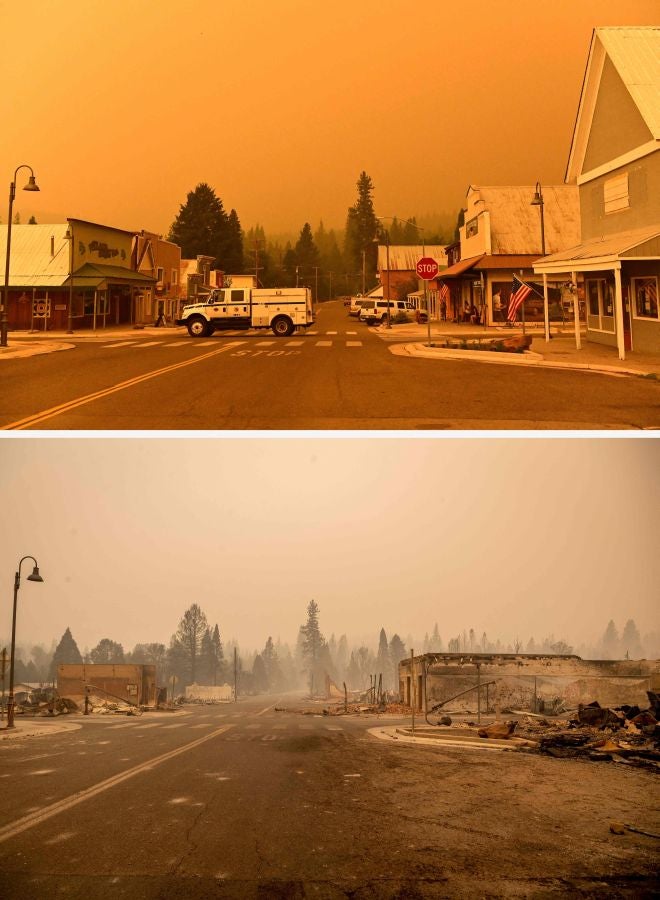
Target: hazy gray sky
point(123, 107)
point(509, 536)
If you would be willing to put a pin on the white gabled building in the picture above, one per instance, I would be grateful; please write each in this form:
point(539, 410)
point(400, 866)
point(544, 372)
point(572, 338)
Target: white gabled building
point(614, 161)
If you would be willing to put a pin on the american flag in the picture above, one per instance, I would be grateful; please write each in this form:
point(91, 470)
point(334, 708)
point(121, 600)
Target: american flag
point(519, 291)
point(444, 292)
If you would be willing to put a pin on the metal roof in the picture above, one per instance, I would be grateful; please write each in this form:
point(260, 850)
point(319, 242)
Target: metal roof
point(31, 262)
point(635, 53)
point(403, 258)
point(515, 225)
point(608, 248)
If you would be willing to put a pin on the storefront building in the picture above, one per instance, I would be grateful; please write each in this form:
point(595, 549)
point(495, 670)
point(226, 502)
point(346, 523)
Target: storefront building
point(71, 276)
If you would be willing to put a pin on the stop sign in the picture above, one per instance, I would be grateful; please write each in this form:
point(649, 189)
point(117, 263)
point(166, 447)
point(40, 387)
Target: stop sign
point(427, 268)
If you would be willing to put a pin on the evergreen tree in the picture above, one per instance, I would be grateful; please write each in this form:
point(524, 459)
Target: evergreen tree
point(383, 662)
point(631, 643)
point(361, 231)
point(397, 651)
point(32, 221)
point(259, 675)
point(66, 652)
point(307, 254)
point(611, 641)
point(189, 636)
point(353, 675)
point(436, 641)
point(312, 638)
point(272, 666)
point(203, 227)
point(312, 646)
point(341, 657)
point(107, 651)
point(231, 253)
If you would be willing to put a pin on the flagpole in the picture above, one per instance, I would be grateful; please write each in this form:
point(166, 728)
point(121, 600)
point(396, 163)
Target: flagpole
point(523, 307)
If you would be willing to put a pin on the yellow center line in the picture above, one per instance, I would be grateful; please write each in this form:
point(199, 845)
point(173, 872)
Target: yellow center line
point(106, 392)
point(47, 812)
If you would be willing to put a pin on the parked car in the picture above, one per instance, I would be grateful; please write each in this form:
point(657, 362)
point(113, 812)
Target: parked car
point(375, 311)
point(355, 305)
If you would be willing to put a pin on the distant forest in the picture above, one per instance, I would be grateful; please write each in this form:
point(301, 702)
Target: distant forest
point(198, 653)
point(331, 261)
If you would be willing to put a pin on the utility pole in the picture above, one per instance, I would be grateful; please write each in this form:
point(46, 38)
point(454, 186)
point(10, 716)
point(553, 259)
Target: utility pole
point(412, 688)
point(3, 668)
point(330, 287)
point(316, 283)
point(364, 272)
point(235, 674)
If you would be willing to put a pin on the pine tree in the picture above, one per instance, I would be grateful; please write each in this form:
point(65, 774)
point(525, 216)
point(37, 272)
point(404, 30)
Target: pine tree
point(259, 675)
point(106, 651)
point(313, 639)
point(383, 662)
point(32, 221)
point(362, 229)
point(306, 251)
point(631, 643)
point(203, 227)
point(188, 638)
point(231, 252)
point(66, 653)
point(611, 641)
point(436, 640)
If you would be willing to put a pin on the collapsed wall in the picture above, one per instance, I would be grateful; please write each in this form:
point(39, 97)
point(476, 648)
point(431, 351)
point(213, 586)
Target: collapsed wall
point(527, 681)
point(134, 684)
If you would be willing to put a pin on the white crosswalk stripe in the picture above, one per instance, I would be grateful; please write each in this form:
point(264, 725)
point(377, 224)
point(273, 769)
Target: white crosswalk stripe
point(294, 343)
point(331, 332)
point(265, 344)
point(206, 344)
point(179, 344)
point(176, 725)
point(353, 343)
point(150, 725)
point(323, 344)
point(120, 344)
point(147, 344)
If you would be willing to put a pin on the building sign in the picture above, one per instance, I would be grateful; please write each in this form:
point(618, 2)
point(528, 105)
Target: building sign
point(100, 245)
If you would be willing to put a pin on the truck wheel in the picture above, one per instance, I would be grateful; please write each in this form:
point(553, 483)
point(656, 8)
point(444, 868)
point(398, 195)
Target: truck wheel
point(198, 327)
point(282, 326)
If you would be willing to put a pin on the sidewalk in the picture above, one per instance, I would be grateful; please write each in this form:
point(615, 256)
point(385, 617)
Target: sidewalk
point(26, 343)
point(560, 352)
point(36, 726)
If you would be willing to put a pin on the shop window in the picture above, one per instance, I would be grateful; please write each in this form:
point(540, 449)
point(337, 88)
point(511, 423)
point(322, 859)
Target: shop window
point(600, 302)
point(645, 298)
point(175, 276)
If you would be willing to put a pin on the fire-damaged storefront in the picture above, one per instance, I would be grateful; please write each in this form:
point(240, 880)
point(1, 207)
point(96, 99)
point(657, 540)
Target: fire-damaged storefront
point(72, 276)
point(492, 682)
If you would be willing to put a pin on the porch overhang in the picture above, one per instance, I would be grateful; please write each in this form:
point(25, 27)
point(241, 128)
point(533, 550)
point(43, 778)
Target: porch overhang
point(93, 276)
point(603, 253)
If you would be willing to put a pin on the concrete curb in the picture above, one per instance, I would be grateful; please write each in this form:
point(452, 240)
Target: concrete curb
point(34, 349)
point(529, 358)
point(394, 734)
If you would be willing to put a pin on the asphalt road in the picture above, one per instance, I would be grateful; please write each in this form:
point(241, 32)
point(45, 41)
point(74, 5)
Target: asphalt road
point(245, 801)
point(339, 376)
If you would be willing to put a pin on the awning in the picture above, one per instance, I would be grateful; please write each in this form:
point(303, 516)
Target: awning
point(604, 252)
point(91, 275)
point(458, 268)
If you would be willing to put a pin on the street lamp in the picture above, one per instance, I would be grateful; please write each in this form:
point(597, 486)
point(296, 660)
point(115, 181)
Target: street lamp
point(30, 186)
point(419, 228)
point(387, 265)
point(35, 576)
point(538, 201)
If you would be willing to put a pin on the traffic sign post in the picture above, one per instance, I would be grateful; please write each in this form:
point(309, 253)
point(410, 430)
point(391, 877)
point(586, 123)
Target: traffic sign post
point(427, 269)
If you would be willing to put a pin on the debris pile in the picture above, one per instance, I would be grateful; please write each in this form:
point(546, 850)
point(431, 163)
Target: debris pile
point(625, 734)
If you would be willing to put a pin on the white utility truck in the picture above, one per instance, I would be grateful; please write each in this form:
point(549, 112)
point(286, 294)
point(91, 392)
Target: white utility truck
point(281, 309)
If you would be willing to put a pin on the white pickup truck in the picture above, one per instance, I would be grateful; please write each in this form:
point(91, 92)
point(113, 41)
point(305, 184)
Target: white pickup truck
point(280, 309)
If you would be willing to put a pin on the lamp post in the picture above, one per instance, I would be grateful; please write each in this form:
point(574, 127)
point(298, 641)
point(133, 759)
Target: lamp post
point(419, 228)
point(30, 186)
point(69, 317)
point(35, 576)
point(538, 201)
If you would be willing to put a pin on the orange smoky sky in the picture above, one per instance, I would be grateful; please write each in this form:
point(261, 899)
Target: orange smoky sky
point(122, 108)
